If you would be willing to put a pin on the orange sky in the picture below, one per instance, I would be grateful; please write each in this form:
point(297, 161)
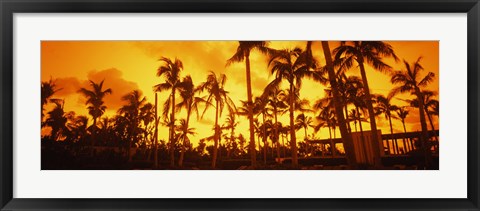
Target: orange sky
point(129, 65)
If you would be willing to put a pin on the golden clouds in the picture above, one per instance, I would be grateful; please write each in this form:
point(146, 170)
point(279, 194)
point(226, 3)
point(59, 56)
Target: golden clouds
point(113, 79)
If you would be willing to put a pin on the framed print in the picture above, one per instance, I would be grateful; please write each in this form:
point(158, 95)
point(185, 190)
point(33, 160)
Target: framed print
point(239, 105)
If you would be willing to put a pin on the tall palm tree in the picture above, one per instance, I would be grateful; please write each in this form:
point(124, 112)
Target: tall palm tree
point(131, 111)
point(48, 89)
point(277, 105)
point(346, 136)
point(384, 106)
point(215, 87)
point(190, 103)
point(291, 65)
point(95, 103)
point(170, 71)
point(243, 54)
point(409, 80)
point(371, 53)
point(260, 108)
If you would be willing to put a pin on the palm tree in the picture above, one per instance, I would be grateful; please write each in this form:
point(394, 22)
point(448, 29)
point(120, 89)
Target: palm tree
point(276, 102)
point(183, 132)
point(131, 111)
point(326, 118)
point(95, 103)
point(402, 114)
point(190, 103)
point(147, 116)
point(57, 120)
point(291, 65)
point(369, 52)
point(260, 108)
point(78, 128)
point(409, 80)
point(305, 122)
point(384, 106)
point(215, 87)
point(352, 88)
point(346, 136)
point(432, 108)
point(430, 105)
point(48, 89)
point(243, 54)
point(170, 70)
point(356, 116)
point(230, 124)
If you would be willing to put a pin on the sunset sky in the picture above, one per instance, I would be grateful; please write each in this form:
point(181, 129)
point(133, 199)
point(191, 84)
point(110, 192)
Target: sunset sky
point(130, 65)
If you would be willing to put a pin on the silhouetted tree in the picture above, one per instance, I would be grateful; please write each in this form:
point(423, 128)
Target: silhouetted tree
point(346, 137)
point(95, 103)
point(291, 65)
point(384, 106)
point(243, 54)
point(215, 88)
point(190, 103)
point(372, 53)
point(409, 80)
point(131, 111)
point(170, 70)
point(48, 89)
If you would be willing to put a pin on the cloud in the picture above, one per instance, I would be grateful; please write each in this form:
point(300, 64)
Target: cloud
point(68, 86)
point(113, 80)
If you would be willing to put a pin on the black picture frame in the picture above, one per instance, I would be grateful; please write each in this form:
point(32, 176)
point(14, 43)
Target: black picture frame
point(10, 7)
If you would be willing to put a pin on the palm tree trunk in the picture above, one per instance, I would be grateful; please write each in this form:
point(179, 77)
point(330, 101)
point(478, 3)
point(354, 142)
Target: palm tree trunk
point(424, 137)
point(155, 152)
point(371, 114)
point(307, 147)
point(431, 124)
point(215, 137)
point(264, 140)
point(94, 135)
point(253, 159)
point(346, 136)
point(394, 141)
point(172, 131)
point(185, 131)
point(232, 140)
point(330, 132)
point(404, 136)
point(346, 118)
point(293, 140)
point(220, 146)
point(276, 130)
point(259, 145)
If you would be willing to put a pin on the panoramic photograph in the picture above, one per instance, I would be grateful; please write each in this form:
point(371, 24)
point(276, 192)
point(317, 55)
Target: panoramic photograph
point(239, 105)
